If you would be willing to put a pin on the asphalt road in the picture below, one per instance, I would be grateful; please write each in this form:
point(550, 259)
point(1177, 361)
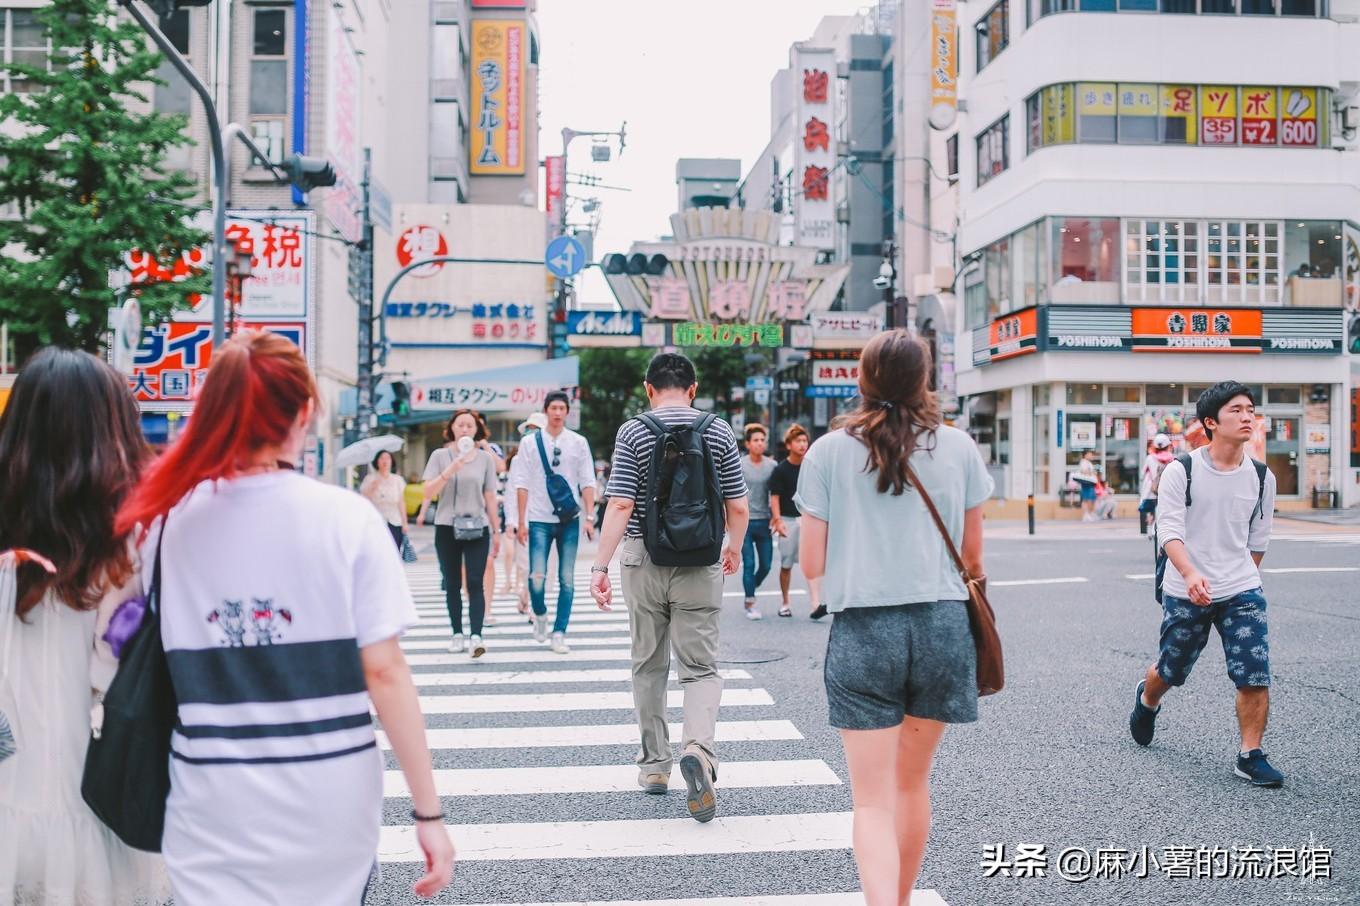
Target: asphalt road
point(1049, 763)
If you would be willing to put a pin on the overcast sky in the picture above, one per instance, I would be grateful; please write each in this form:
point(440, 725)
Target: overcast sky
point(691, 78)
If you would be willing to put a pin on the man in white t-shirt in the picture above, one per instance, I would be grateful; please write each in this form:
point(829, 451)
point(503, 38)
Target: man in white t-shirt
point(1213, 522)
point(558, 450)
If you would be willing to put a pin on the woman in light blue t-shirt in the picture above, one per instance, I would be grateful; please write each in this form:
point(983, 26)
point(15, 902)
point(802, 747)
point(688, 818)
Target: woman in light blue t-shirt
point(900, 662)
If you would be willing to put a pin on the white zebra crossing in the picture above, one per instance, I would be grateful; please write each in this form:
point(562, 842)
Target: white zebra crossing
point(457, 688)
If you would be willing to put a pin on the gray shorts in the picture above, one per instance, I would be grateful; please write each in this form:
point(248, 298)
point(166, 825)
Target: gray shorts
point(788, 547)
point(910, 660)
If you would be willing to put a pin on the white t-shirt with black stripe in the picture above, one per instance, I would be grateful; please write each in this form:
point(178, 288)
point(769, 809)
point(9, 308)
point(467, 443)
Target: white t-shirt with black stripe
point(270, 585)
point(633, 448)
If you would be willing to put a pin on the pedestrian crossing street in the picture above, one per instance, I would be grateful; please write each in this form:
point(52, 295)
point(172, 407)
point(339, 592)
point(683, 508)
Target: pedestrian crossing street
point(533, 756)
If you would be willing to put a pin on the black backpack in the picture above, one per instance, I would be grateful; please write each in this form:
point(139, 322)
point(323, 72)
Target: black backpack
point(1160, 559)
point(683, 523)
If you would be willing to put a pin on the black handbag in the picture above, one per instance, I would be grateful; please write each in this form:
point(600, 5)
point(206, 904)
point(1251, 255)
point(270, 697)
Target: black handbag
point(127, 765)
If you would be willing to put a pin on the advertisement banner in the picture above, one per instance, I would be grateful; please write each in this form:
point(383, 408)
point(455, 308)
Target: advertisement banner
point(344, 200)
point(1299, 123)
point(835, 374)
point(846, 326)
point(419, 243)
point(1196, 330)
point(554, 191)
point(604, 324)
point(944, 64)
point(1351, 255)
point(280, 249)
point(1137, 99)
point(1096, 98)
point(1218, 114)
point(1180, 120)
point(487, 396)
point(814, 147)
point(499, 50)
point(172, 361)
point(1260, 107)
point(1059, 108)
point(1014, 335)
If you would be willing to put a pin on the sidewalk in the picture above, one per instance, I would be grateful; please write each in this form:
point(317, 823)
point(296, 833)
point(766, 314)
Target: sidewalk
point(1343, 522)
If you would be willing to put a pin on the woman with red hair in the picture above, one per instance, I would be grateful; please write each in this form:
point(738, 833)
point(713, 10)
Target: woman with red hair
point(281, 603)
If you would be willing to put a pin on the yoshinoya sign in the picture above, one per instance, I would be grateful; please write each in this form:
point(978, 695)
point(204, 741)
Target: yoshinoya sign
point(1180, 329)
point(604, 324)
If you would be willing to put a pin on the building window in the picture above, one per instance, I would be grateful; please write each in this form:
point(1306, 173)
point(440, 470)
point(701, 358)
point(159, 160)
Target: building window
point(269, 89)
point(1313, 263)
point(993, 33)
point(1242, 261)
point(1145, 114)
point(175, 96)
point(1162, 260)
point(993, 156)
point(1037, 9)
point(1085, 260)
point(25, 41)
point(951, 157)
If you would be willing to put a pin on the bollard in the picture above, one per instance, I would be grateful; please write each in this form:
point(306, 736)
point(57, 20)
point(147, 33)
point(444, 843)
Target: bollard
point(1030, 503)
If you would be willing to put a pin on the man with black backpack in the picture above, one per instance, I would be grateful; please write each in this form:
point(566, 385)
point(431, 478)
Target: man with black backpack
point(676, 481)
point(1213, 526)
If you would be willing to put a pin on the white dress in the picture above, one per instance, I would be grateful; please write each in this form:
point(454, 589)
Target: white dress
point(53, 850)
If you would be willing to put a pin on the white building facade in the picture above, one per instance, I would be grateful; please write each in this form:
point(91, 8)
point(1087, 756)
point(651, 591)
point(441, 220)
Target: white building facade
point(1142, 198)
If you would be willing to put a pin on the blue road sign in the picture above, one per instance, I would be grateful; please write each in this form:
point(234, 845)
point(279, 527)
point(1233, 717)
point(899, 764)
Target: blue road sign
point(565, 257)
point(759, 382)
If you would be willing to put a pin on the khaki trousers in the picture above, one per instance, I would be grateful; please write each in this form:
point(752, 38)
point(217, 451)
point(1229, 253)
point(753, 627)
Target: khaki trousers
point(673, 607)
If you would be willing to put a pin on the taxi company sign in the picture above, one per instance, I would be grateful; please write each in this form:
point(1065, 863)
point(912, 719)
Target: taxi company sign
point(492, 396)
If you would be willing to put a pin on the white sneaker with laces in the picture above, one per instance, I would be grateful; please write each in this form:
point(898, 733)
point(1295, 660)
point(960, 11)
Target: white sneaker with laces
point(753, 613)
point(559, 643)
point(457, 645)
point(540, 628)
point(476, 647)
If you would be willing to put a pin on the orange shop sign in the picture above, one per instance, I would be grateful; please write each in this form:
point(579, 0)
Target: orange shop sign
point(1196, 330)
point(1014, 335)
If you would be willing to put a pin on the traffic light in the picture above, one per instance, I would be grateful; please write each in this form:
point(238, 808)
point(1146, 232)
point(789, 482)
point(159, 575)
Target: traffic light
point(635, 265)
point(401, 399)
point(307, 173)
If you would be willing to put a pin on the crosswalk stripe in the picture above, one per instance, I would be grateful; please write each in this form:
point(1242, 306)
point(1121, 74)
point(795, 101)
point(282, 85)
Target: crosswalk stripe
point(542, 677)
point(570, 701)
point(918, 898)
point(607, 778)
point(503, 643)
point(592, 735)
point(441, 615)
point(631, 838)
point(502, 657)
point(574, 631)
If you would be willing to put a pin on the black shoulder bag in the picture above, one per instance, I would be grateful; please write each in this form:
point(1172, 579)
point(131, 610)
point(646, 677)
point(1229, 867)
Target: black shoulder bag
point(127, 766)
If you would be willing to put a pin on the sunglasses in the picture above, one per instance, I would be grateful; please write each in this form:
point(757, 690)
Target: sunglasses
point(557, 456)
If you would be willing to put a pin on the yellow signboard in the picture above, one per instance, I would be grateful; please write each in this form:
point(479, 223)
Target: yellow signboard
point(1218, 114)
point(499, 53)
point(1180, 118)
point(944, 64)
point(1096, 98)
point(1059, 115)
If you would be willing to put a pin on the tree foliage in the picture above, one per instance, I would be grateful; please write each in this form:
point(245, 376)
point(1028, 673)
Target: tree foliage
point(84, 166)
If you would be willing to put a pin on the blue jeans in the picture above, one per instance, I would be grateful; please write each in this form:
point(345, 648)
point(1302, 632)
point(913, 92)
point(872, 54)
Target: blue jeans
point(541, 537)
point(760, 542)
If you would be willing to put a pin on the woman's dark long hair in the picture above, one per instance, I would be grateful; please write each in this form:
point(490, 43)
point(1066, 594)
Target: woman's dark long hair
point(897, 407)
point(71, 448)
point(482, 433)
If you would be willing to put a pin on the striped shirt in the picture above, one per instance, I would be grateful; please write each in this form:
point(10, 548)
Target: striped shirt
point(633, 458)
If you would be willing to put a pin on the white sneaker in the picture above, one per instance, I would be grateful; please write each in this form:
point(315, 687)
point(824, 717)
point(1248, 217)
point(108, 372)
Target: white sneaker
point(753, 613)
point(476, 647)
point(559, 643)
point(540, 628)
point(457, 645)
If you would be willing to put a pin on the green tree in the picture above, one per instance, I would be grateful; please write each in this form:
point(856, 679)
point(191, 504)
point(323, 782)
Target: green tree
point(84, 165)
point(611, 392)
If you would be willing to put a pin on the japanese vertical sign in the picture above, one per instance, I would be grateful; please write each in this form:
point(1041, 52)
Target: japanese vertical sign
point(499, 48)
point(343, 200)
point(554, 186)
point(1218, 114)
point(1059, 115)
point(814, 145)
point(944, 64)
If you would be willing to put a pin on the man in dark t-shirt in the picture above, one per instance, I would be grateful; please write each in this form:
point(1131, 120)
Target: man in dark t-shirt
point(784, 514)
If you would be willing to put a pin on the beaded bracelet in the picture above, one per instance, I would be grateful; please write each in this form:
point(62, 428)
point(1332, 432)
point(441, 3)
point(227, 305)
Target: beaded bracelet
point(416, 816)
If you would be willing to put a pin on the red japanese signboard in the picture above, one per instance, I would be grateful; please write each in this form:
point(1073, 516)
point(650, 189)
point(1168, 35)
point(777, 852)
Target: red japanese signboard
point(172, 363)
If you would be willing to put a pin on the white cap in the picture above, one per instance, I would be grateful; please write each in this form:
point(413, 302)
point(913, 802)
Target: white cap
point(1161, 441)
point(537, 420)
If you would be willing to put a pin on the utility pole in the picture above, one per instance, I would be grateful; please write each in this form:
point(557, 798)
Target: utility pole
point(361, 288)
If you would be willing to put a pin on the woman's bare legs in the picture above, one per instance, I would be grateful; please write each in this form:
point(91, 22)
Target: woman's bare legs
point(915, 752)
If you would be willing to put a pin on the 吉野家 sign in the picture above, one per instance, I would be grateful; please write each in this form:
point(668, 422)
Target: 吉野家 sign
point(694, 333)
point(499, 49)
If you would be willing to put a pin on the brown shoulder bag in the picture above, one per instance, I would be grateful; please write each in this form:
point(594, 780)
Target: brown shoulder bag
point(991, 671)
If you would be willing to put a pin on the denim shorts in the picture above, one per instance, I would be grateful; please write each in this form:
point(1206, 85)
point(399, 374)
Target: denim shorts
point(909, 660)
point(1241, 624)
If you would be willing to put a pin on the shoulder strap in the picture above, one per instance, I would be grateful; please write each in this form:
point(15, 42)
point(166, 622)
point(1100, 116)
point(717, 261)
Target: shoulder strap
point(543, 454)
point(153, 599)
point(652, 423)
point(1185, 460)
point(703, 422)
point(1260, 490)
point(939, 524)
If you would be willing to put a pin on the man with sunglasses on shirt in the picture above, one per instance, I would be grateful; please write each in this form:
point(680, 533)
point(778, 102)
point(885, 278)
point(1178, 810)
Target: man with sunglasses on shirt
point(559, 450)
